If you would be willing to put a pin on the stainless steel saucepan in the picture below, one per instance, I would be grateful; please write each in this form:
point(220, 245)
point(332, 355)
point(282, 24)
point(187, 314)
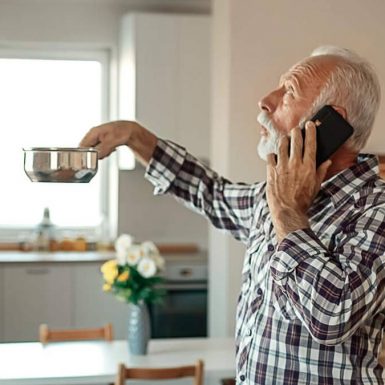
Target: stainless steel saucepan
point(60, 164)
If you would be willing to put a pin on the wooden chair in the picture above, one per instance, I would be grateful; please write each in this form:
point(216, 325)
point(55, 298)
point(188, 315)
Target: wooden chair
point(49, 335)
point(195, 371)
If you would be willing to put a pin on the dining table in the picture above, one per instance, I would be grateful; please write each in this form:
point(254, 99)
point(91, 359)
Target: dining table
point(96, 362)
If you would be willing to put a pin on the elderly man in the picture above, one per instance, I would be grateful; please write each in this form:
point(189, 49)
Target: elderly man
point(311, 308)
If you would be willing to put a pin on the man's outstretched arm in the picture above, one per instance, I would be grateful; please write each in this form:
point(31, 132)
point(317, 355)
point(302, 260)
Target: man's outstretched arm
point(171, 169)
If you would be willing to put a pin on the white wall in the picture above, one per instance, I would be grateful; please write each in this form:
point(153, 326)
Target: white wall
point(161, 219)
point(256, 41)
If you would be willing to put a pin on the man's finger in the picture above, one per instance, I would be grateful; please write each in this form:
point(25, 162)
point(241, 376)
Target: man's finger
point(91, 139)
point(101, 151)
point(283, 149)
point(106, 146)
point(310, 142)
point(322, 171)
point(296, 144)
point(271, 160)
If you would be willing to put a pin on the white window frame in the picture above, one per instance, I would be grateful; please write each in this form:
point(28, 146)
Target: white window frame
point(108, 205)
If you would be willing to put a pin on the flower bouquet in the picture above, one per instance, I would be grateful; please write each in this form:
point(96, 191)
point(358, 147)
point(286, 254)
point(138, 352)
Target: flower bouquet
point(134, 275)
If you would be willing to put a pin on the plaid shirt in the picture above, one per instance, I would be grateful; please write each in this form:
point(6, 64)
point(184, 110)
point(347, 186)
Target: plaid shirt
point(311, 309)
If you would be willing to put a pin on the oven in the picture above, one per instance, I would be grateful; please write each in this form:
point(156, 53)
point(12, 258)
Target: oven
point(183, 312)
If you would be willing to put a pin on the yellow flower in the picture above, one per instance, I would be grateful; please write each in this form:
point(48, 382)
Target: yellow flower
point(124, 276)
point(106, 287)
point(112, 263)
point(110, 271)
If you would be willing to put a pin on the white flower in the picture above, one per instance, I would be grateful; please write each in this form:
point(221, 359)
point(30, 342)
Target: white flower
point(121, 255)
point(123, 245)
point(149, 248)
point(159, 261)
point(147, 267)
point(133, 255)
point(123, 242)
point(151, 251)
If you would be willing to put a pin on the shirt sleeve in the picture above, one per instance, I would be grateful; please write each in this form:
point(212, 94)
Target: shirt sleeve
point(334, 292)
point(228, 206)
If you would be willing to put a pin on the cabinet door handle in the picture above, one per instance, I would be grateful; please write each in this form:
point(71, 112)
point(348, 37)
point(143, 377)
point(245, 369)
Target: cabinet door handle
point(186, 272)
point(37, 271)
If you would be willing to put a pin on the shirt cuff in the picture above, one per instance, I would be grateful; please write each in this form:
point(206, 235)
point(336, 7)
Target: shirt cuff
point(164, 166)
point(294, 249)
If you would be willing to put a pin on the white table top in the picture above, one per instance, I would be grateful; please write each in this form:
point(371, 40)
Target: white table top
point(96, 362)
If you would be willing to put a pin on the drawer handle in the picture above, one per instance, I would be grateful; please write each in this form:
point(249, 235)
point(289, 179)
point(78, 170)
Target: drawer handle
point(186, 272)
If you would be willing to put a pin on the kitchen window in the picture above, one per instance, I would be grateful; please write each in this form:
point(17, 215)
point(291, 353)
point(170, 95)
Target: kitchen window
point(50, 99)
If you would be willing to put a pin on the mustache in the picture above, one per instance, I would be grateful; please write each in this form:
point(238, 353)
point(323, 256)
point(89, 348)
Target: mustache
point(264, 120)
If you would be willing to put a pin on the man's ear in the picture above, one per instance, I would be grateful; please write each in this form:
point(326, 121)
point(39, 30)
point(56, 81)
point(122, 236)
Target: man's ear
point(341, 111)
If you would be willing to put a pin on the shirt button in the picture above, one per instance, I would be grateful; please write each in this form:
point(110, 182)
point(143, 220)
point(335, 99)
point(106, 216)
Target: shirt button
point(249, 332)
point(242, 378)
point(259, 291)
point(270, 248)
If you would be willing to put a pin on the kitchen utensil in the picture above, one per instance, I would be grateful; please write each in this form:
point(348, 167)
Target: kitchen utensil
point(60, 164)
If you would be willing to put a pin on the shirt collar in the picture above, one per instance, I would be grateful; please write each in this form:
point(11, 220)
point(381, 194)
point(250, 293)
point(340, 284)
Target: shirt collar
point(347, 182)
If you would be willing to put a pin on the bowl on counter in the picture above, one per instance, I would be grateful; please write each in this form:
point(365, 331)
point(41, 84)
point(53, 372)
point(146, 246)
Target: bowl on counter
point(60, 164)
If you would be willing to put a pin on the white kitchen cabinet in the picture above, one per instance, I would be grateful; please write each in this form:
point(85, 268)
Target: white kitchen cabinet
point(93, 307)
point(34, 294)
point(63, 295)
point(165, 76)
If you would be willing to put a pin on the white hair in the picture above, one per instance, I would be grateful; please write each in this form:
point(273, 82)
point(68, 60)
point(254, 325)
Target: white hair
point(353, 85)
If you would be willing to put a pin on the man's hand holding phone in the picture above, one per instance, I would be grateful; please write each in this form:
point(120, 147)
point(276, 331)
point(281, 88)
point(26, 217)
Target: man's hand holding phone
point(293, 180)
point(295, 175)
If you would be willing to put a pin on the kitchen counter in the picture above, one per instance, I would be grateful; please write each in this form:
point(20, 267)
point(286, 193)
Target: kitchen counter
point(86, 256)
point(66, 256)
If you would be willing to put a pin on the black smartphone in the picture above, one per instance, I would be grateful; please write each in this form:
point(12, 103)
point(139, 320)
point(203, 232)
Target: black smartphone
point(332, 131)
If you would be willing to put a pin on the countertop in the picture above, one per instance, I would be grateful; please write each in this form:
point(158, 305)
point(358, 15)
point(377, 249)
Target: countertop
point(85, 256)
point(65, 256)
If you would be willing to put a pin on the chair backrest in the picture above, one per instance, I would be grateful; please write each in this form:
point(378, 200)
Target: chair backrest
point(195, 371)
point(50, 335)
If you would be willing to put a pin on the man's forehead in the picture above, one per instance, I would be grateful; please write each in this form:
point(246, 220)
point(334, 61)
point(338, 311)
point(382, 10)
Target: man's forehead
point(315, 67)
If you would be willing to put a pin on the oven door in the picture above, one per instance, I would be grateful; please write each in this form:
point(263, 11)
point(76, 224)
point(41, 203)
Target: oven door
point(183, 312)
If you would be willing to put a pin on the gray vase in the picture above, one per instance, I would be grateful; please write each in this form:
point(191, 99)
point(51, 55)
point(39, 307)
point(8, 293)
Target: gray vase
point(138, 333)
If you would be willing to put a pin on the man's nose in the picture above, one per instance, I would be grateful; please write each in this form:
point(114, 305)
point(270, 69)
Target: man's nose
point(268, 102)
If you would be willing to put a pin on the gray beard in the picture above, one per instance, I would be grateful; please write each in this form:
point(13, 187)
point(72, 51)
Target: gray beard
point(268, 145)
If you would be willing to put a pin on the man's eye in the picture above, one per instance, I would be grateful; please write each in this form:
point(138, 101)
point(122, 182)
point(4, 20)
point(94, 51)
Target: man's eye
point(289, 90)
